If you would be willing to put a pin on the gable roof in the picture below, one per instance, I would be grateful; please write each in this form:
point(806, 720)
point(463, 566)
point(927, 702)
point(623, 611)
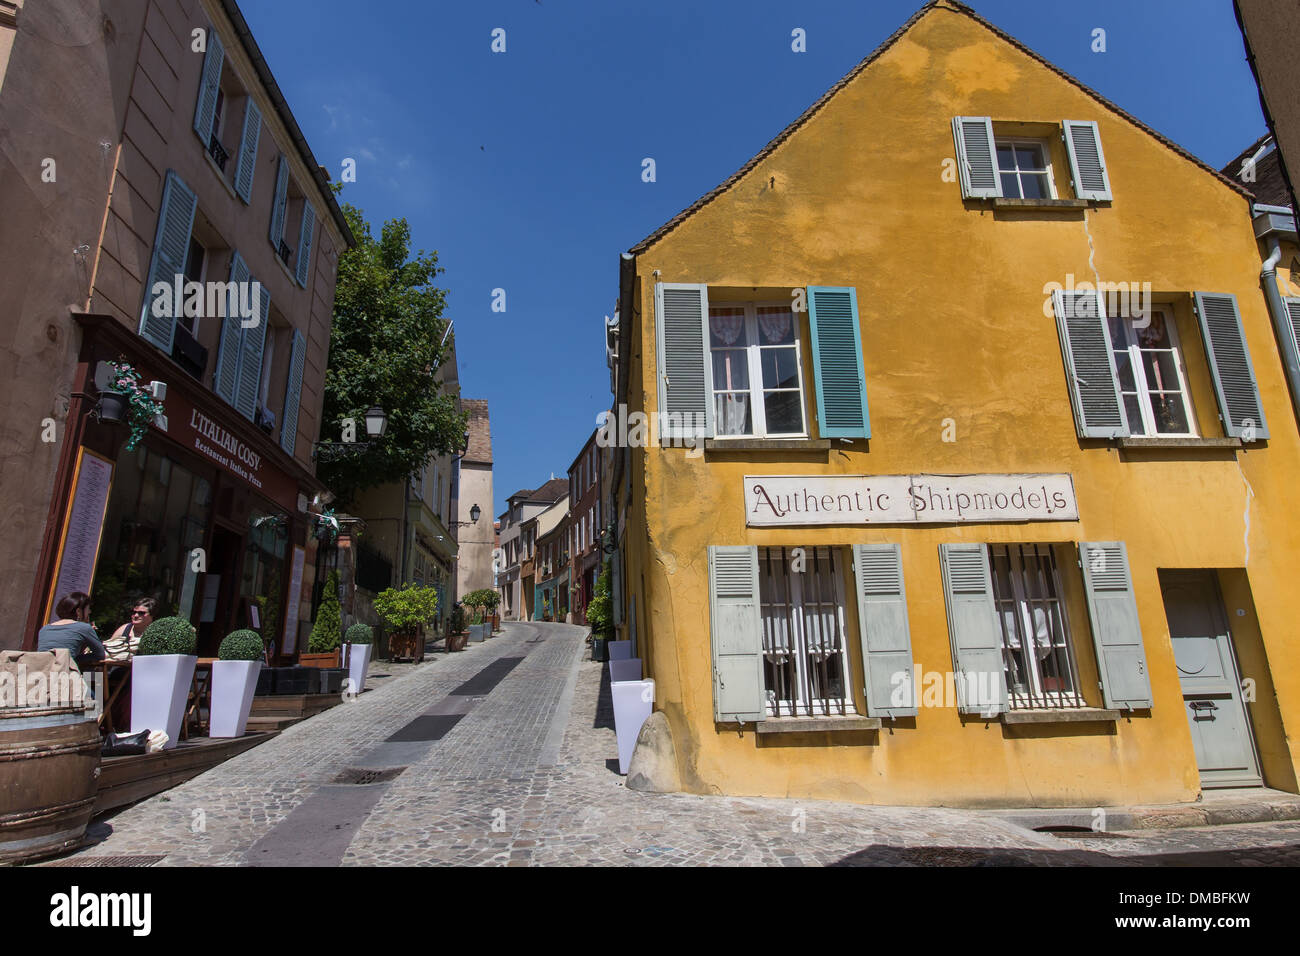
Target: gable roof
point(479, 450)
point(953, 6)
point(1269, 186)
point(553, 490)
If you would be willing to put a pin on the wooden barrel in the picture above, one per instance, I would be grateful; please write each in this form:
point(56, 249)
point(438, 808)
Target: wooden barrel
point(49, 770)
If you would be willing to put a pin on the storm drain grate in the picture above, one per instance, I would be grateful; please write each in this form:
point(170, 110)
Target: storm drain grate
point(109, 861)
point(361, 776)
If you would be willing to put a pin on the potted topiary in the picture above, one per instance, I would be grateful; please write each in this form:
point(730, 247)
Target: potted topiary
point(406, 611)
point(234, 678)
point(492, 599)
point(161, 673)
point(358, 648)
point(327, 630)
point(600, 617)
point(456, 629)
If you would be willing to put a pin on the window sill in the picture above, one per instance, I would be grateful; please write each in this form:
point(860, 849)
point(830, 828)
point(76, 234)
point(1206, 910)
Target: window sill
point(1001, 203)
point(220, 175)
point(767, 444)
point(814, 725)
point(1137, 441)
point(1073, 715)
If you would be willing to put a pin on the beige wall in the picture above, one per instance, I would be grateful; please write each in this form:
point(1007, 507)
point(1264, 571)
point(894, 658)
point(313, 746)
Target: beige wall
point(474, 567)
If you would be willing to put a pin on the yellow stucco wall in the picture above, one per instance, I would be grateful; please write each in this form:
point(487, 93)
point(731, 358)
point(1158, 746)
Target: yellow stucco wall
point(950, 296)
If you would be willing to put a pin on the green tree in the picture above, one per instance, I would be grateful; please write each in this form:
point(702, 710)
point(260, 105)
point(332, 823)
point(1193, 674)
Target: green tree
point(600, 611)
point(327, 629)
point(386, 346)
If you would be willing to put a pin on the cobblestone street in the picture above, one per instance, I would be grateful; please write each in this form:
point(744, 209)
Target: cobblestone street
point(504, 755)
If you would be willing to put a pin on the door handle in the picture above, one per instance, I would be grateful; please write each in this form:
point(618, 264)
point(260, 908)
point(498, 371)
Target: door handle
point(1202, 705)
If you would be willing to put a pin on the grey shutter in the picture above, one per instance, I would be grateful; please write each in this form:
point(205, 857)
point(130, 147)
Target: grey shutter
point(838, 371)
point(225, 381)
point(886, 637)
point(1235, 387)
point(973, 629)
point(205, 110)
point(293, 393)
point(685, 369)
point(248, 150)
point(252, 341)
point(305, 234)
point(1288, 333)
point(1087, 162)
point(279, 203)
point(736, 627)
point(1089, 365)
point(1116, 633)
point(171, 246)
point(976, 157)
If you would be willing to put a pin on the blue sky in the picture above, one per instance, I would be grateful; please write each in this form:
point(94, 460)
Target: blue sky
point(523, 168)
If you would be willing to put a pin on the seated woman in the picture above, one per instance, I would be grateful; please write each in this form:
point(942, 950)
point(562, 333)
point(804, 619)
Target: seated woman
point(122, 645)
point(73, 631)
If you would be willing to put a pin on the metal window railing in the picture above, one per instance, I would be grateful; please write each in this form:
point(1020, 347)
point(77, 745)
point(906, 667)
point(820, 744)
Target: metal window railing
point(217, 152)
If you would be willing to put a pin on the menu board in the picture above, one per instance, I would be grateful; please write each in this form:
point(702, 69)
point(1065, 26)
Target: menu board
point(291, 606)
point(83, 527)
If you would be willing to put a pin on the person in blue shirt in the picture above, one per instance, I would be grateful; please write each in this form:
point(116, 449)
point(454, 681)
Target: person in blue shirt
point(73, 631)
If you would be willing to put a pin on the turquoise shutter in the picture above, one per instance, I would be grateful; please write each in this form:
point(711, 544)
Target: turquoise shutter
point(205, 110)
point(225, 381)
point(838, 371)
point(1116, 633)
point(248, 140)
point(293, 393)
point(886, 637)
point(252, 341)
point(977, 165)
point(171, 246)
point(305, 234)
point(1087, 162)
point(973, 630)
point(1089, 365)
point(1235, 387)
point(736, 627)
point(685, 368)
point(279, 202)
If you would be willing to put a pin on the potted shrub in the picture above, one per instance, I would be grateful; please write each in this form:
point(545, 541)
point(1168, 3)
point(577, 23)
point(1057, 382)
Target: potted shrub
point(234, 678)
point(493, 600)
point(406, 611)
point(360, 641)
point(161, 673)
point(456, 629)
point(600, 617)
point(327, 630)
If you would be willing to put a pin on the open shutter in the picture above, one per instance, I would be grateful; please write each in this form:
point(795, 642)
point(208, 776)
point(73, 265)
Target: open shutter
point(1087, 162)
point(737, 634)
point(1288, 334)
point(1116, 634)
point(293, 393)
point(973, 629)
point(976, 157)
point(205, 110)
point(248, 150)
point(1235, 387)
point(252, 341)
point(171, 246)
point(225, 381)
point(685, 371)
point(1089, 365)
point(279, 203)
point(886, 638)
point(838, 371)
point(305, 234)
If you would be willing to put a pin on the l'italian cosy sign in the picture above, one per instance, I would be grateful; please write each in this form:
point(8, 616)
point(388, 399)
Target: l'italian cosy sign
point(779, 500)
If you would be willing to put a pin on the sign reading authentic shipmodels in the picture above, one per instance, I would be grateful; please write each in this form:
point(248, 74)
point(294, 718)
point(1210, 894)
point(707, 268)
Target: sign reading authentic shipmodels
point(776, 500)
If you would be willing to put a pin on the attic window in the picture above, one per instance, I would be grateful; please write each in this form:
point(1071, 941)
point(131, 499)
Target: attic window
point(1024, 170)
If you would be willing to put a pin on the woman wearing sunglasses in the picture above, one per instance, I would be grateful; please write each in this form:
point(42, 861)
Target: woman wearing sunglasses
point(122, 645)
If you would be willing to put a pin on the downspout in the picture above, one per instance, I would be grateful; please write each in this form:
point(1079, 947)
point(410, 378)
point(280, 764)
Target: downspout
point(1281, 321)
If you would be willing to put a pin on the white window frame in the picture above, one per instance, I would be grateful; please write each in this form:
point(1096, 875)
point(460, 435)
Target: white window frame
point(1012, 142)
point(754, 365)
point(1145, 405)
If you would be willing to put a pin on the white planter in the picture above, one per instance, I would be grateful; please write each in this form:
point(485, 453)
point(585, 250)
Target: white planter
point(359, 665)
point(233, 683)
point(160, 685)
point(620, 650)
point(478, 632)
point(633, 702)
point(629, 669)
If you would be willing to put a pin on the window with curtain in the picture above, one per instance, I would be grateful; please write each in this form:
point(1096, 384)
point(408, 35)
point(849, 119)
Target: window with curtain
point(757, 370)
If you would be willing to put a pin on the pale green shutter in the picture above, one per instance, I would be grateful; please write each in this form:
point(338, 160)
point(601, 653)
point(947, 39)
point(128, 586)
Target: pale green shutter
point(977, 165)
point(248, 150)
point(1087, 162)
point(225, 381)
point(205, 110)
point(293, 393)
point(886, 637)
point(252, 341)
point(838, 372)
point(1116, 633)
point(737, 634)
point(1089, 365)
point(171, 246)
point(973, 630)
point(1235, 387)
point(279, 202)
point(305, 234)
point(685, 368)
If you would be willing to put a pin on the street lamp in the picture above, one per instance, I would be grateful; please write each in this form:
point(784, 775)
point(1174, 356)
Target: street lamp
point(376, 422)
point(474, 513)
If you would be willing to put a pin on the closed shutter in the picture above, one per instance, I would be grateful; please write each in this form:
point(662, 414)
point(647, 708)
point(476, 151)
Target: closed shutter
point(305, 234)
point(1087, 162)
point(1089, 365)
point(253, 340)
point(976, 157)
point(205, 110)
point(293, 393)
point(1235, 387)
point(886, 637)
point(973, 630)
point(1289, 335)
point(279, 203)
point(171, 245)
point(248, 150)
point(685, 371)
point(1116, 634)
point(838, 372)
point(225, 381)
point(737, 634)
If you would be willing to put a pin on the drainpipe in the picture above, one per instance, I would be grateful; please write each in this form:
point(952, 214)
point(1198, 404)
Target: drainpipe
point(1281, 320)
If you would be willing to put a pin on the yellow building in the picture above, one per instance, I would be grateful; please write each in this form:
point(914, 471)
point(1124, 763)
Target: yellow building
point(973, 479)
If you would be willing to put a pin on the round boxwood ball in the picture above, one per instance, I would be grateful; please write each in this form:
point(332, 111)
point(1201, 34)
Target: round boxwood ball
point(242, 645)
point(360, 634)
point(168, 635)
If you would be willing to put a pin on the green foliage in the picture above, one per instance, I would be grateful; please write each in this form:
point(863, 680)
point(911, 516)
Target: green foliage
point(386, 345)
point(408, 606)
point(360, 634)
point(600, 611)
point(168, 635)
point(242, 645)
point(457, 619)
point(142, 409)
point(481, 598)
point(328, 627)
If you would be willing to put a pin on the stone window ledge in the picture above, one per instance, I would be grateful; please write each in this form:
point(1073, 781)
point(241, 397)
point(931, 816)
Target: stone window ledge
point(1150, 442)
point(767, 444)
point(803, 725)
point(1072, 715)
point(1045, 204)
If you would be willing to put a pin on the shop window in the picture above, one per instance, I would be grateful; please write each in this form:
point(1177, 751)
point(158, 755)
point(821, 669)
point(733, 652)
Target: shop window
point(1152, 375)
point(757, 372)
point(261, 583)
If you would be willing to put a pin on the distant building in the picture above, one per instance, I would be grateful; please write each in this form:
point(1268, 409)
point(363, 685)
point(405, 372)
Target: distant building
point(518, 530)
point(584, 526)
point(474, 490)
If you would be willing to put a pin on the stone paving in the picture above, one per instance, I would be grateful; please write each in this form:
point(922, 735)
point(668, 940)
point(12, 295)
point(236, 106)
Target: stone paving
point(527, 777)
